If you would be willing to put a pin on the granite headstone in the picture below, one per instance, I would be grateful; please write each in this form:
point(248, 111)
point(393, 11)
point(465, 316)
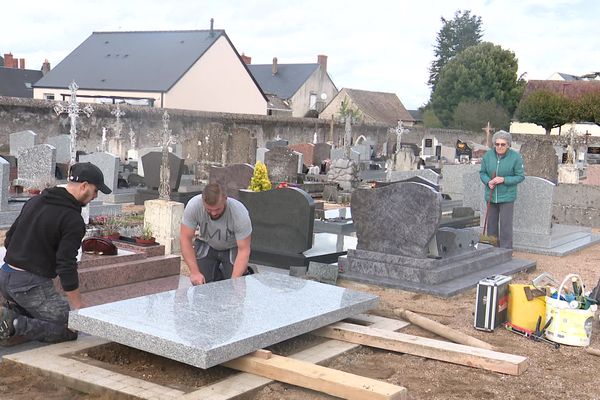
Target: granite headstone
point(108, 163)
point(452, 178)
point(282, 219)
point(152, 162)
point(307, 150)
point(36, 163)
point(533, 207)
point(62, 143)
point(260, 154)
point(282, 165)
point(399, 219)
point(322, 152)
point(19, 141)
point(4, 183)
point(271, 144)
point(539, 159)
point(232, 177)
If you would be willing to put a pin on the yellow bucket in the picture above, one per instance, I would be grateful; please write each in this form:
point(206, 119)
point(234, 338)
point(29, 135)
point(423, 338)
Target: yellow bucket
point(569, 326)
point(522, 312)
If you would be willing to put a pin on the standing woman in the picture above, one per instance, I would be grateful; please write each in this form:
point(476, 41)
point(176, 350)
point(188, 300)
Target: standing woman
point(501, 171)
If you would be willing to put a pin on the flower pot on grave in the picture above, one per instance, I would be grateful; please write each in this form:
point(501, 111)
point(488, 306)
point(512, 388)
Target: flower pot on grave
point(145, 242)
point(113, 236)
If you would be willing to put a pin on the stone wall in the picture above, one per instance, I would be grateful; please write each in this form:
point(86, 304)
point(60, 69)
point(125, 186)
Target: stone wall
point(575, 204)
point(205, 136)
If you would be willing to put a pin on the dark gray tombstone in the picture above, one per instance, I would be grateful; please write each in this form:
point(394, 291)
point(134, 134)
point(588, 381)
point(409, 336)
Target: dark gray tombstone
point(282, 164)
point(232, 177)
point(282, 219)
point(271, 144)
point(152, 161)
point(539, 159)
point(135, 180)
point(451, 242)
point(398, 219)
point(415, 179)
point(321, 152)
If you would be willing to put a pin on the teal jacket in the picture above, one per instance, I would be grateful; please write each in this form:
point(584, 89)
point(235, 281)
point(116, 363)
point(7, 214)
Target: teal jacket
point(510, 167)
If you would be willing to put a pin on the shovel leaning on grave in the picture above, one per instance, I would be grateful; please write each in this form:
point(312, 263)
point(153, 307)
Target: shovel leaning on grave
point(484, 237)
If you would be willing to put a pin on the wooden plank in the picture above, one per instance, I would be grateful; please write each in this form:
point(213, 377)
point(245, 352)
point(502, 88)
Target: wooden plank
point(312, 376)
point(424, 347)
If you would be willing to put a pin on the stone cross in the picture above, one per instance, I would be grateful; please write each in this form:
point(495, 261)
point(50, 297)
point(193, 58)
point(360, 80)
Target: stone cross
point(166, 139)
point(73, 110)
point(488, 134)
point(132, 138)
point(399, 131)
point(103, 142)
point(118, 124)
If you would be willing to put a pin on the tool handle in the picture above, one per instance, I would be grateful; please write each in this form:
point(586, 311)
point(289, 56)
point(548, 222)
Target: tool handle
point(487, 212)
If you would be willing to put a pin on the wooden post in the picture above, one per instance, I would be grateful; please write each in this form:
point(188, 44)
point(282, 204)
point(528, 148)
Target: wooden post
point(441, 330)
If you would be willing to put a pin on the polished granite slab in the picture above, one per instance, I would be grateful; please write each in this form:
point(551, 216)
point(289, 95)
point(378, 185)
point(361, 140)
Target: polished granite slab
point(209, 324)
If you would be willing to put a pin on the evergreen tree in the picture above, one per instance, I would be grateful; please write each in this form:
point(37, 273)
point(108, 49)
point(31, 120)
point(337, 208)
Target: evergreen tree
point(479, 73)
point(457, 34)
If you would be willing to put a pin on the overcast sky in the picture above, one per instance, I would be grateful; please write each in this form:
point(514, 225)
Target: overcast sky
point(384, 46)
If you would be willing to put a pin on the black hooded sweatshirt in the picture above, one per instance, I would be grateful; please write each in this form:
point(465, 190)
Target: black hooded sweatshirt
point(46, 237)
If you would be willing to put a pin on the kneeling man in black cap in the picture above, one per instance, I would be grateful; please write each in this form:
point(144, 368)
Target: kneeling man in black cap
point(42, 243)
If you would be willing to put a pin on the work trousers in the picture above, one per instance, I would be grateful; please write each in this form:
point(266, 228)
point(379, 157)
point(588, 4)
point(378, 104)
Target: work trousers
point(43, 312)
point(215, 265)
point(500, 223)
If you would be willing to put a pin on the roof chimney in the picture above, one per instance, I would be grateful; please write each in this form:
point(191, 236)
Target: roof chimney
point(45, 67)
point(8, 60)
point(212, 23)
point(22, 63)
point(246, 59)
point(274, 67)
point(322, 60)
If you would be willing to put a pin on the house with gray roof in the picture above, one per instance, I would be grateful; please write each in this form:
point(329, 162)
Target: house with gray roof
point(375, 107)
point(297, 90)
point(192, 70)
point(15, 80)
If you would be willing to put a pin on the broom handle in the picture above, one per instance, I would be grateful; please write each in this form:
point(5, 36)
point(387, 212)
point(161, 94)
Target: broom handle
point(487, 212)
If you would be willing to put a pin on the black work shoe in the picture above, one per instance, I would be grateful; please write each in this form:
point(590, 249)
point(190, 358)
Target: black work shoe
point(7, 317)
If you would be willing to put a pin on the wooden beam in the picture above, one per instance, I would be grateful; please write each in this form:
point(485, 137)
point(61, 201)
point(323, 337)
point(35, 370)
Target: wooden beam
point(442, 330)
point(312, 376)
point(425, 347)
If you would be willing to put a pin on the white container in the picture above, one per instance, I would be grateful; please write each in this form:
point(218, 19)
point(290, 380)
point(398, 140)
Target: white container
point(569, 326)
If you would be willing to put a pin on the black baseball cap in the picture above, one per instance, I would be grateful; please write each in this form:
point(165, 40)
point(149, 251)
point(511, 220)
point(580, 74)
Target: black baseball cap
point(88, 172)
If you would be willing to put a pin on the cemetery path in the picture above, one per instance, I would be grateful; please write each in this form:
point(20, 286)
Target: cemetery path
point(551, 373)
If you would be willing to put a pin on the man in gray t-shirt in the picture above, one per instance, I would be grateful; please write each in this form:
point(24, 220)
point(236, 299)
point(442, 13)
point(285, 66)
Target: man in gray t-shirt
point(222, 248)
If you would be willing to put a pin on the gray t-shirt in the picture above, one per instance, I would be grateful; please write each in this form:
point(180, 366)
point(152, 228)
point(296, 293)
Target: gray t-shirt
point(222, 233)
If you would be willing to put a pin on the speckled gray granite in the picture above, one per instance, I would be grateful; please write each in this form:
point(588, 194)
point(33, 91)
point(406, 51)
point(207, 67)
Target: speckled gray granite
point(207, 325)
point(400, 218)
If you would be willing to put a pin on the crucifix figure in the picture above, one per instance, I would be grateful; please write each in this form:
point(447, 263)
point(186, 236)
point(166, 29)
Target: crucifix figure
point(167, 138)
point(488, 134)
point(73, 110)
